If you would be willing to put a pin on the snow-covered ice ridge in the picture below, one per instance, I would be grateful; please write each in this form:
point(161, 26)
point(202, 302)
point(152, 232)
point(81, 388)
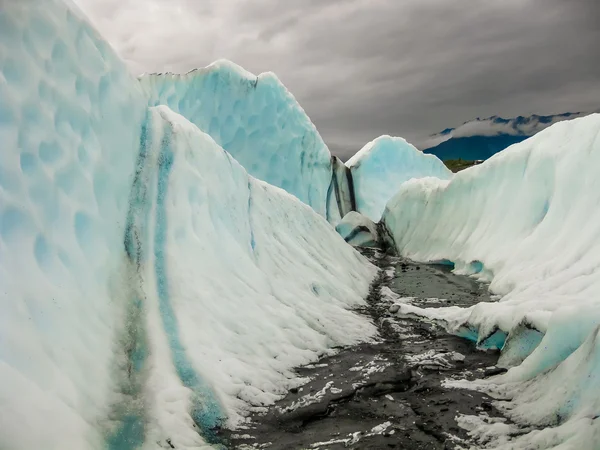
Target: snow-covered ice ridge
point(528, 220)
point(151, 288)
point(381, 166)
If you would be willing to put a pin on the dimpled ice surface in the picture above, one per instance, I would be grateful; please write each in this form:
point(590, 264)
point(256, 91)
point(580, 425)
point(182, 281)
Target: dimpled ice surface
point(256, 120)
point(246, 281)
point(70, 121)
point(147, 281)
point(358, 230)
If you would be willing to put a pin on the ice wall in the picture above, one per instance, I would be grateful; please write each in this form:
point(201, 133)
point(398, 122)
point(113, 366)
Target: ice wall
point(257, 120)
point(528, 219)
point(381, 166)
point(151, 289)
point(242, 281)
point(70, 121)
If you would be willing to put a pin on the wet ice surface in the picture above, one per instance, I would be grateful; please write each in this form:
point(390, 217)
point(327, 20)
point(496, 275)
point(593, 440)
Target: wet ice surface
point(387, 394)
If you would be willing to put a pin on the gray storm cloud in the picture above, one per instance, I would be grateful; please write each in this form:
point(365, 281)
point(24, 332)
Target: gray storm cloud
point(362, 68)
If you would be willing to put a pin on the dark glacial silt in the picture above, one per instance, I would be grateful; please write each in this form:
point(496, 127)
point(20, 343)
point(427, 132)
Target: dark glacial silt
point(388, 393)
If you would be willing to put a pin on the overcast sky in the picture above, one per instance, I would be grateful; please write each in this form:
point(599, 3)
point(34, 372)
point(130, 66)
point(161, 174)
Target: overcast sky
point(362, 68)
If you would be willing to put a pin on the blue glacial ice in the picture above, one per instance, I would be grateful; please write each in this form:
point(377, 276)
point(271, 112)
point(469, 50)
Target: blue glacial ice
point(381, 166)
point(70, 126)
point(257, 120)
point(148, 280)
point(153, 288)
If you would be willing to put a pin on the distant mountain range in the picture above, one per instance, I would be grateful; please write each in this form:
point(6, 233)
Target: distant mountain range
point(481, 138)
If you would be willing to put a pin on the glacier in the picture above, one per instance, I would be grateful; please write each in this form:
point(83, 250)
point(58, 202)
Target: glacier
point(526, 221)
point(257, 120)
point(249, 277)
point(70, 126)
point(152, 289)
point(167, 254)
point(381, 166)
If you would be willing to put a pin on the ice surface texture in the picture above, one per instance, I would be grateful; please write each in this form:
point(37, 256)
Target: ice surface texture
point(257, 282)
point(358, 230)
point(256, 120)
point(262, 126)
point(150, 288)
point(528, 220)
point(382, 165)
point(70, 121)
point(341, 192)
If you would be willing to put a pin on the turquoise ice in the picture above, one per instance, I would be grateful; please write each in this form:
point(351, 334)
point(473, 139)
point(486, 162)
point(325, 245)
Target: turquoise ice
point(380, 168)
point(147, 279)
